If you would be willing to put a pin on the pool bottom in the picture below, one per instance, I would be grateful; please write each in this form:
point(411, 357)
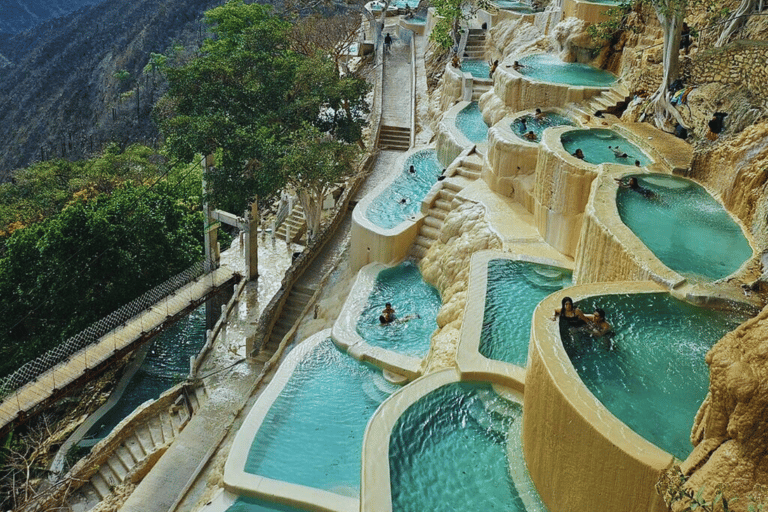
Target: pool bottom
point(448, 451)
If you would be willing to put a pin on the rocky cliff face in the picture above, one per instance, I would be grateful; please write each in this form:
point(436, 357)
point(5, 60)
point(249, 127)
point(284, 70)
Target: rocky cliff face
point(76, 82)
point(20, 15)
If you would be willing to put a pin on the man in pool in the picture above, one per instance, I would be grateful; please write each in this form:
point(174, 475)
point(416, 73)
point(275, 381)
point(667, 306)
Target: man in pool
point(617, 152)
point(412, 170)
point(578, 154)
point(539, 115)
point(530, 136)
point(596, 324)
point(632, 184)
point(388, 315)
point(517, 66)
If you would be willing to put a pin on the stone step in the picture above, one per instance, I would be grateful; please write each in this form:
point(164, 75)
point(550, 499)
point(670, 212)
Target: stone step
point(125, 456)
point(433, 222)
point(118, 469)
point(90, 495)
point(429, 232)
point(438, 214)
point(441, 204)
point(448, 195)
point(108, 476)
point(469, 173)
point(156, 431)
point(423, 241)
point(452, 186)
point(134, 446)
point(144, 436)
point(102, 488)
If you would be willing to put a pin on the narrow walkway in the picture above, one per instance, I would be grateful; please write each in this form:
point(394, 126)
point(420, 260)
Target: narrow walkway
point(175, 482)
point(115, 343)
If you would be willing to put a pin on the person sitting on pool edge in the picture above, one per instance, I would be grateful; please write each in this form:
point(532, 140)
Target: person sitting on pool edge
point(632, 184)
point(568, 314)
point(578, 154)
point(388, 315)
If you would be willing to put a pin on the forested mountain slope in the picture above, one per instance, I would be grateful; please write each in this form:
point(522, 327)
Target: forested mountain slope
point(20, 15)
point(71, 83)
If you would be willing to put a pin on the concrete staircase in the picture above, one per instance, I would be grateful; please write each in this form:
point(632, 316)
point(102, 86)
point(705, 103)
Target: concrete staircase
point(475, 48)
point(480, 87)
point(289, 315)
point(140, 449)
point(441, 200)
point(394, 138)
point(294, 227)
point(611, 101)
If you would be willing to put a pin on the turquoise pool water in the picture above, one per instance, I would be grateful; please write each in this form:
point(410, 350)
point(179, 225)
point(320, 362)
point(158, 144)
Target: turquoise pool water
point(520, 7)
point(387, 210)
point(448, 452)
point(410, 295)
point(244, 504)
point(477, 68)
point(470, 121)
point(546, 67)
point(655, 378)
point(524, 124)
point(313, 433)
point(166, 364)
point(594, 143)
point(685, 227)
point(514, 290)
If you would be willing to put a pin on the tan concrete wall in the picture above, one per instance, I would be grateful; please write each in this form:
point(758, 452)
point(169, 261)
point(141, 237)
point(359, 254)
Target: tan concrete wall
point(581, 458)
point(452, 87)
point(608, 250)
point(518, 92)
point(370, 243)
point(587, 11)
point(741, 63)
point(561, 193)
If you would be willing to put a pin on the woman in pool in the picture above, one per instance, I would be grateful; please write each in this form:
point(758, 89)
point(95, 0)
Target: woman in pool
point(569, 315)
point(578, 154)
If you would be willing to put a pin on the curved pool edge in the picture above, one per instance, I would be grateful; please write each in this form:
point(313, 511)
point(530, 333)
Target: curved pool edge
point(471, 363)
point(375, 486)
point(564, 186)
point(632, 259)
point(507, 152)
point(237, 481)
point(344, 332)
point(451, 141)
point(569, 435)
point(371, 243)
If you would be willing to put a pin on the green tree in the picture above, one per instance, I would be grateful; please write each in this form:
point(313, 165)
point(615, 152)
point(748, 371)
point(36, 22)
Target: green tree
point(244, 97)
point(60, 275)
point(447, 31)
point(232, 97)
point(314, 163)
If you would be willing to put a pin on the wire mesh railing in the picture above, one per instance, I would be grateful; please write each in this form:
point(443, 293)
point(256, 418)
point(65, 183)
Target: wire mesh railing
point(90, 335)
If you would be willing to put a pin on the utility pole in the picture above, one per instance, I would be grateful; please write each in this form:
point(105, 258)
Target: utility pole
point(251, 241)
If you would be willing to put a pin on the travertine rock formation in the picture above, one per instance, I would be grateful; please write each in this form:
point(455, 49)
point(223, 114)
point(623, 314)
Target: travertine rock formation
point(446, 266)
point(731, 428)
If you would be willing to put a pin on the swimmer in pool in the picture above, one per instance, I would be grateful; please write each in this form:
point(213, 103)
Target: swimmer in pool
point(596, 324)
point(617, 152)
point(517, 66)
point(388, 315)
point(539, 115)
point(578, 154)
point(530, 135)
point(412, 170)
point(632, 184)
point(404, 200)
point(569, 315)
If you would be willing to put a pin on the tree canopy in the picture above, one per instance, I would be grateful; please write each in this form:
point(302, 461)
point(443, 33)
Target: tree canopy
point(60, 275)
point(244, 96)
